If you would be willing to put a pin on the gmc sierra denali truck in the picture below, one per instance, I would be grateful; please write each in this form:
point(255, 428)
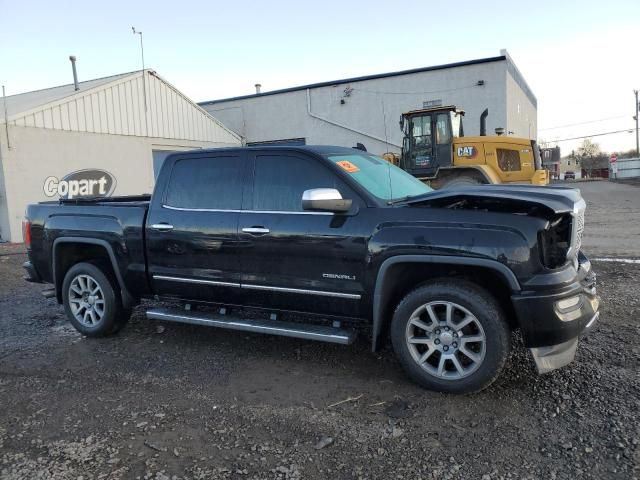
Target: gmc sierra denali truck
point(322, 242)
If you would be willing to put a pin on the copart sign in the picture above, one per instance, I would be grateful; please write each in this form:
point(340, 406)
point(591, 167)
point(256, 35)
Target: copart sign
point(82, 183)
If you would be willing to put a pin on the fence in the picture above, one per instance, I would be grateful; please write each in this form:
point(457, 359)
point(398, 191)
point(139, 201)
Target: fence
point(627, 168)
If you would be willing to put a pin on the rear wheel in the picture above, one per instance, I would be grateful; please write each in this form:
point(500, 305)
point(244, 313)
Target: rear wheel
point(451, 336)
point(92, 302)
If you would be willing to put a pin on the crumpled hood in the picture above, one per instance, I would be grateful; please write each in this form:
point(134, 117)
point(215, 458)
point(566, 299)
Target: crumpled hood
point(559, 199)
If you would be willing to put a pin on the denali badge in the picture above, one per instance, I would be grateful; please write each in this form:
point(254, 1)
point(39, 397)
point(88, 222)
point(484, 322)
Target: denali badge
point(81, 183)
point(338, 276)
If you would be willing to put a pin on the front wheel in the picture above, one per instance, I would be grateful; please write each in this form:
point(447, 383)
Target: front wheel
point(91, 301)
point(451, 336)
point(460, 181)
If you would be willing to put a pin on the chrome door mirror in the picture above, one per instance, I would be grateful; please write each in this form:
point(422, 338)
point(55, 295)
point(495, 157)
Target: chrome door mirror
point(325, 200)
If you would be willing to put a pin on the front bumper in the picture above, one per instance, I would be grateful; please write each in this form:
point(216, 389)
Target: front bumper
point(553, 318)
point(557, 356)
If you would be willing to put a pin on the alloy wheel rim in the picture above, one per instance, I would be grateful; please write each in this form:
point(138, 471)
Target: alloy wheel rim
point(446, 340)
point(86, 300)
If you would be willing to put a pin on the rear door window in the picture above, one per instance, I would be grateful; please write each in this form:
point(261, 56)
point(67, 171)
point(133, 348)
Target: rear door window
point(280, 180)
point(213, 183)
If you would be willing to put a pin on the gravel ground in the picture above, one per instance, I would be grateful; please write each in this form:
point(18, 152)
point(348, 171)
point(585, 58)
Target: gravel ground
point(189, 402)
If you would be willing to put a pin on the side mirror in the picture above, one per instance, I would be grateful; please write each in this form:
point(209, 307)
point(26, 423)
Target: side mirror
point(325, 200)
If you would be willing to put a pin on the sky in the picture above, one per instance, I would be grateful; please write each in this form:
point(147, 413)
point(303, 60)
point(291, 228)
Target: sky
point(580, 58)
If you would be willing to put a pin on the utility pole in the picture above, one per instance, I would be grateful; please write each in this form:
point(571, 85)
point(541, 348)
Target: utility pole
point(144, 81)
point(637, 110)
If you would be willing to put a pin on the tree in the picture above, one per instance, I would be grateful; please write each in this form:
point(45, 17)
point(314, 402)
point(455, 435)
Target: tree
point(588, 149)
point(591, 157)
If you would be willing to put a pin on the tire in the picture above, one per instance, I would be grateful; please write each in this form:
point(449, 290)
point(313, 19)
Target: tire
point(461, 182)
point(96, 315)
point(475, 315)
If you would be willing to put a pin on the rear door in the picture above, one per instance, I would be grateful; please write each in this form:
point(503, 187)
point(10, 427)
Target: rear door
point(294, 259)
point(192, 227)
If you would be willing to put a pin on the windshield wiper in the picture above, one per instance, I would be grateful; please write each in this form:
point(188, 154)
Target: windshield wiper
point(400, 200)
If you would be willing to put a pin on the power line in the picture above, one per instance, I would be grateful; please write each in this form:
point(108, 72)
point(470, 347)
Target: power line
point(583, 123)
point(628, 130)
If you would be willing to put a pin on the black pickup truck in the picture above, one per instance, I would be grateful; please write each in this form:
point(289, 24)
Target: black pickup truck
point(322, 242)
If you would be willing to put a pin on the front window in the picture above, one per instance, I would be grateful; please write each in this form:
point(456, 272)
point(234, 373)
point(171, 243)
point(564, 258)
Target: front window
point(280, 180)
point(379, 177)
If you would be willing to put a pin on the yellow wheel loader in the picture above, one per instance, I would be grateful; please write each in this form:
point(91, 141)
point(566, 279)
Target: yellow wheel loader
point(435, 150)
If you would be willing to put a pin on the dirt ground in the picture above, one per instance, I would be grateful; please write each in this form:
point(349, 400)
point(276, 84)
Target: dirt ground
point(198, 403)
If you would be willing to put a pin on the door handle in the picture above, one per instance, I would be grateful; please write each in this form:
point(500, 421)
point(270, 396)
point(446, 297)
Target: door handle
point(255, 230)
point(162, 227)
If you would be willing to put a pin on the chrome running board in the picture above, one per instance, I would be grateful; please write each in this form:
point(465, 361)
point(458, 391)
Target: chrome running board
point(272, 327)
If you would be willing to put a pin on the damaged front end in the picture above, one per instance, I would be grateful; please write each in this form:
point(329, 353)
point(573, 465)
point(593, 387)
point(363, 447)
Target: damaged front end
point(558, 302)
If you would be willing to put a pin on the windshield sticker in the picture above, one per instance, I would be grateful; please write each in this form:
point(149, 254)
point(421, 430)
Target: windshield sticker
point(423, 160)
point(347, 166)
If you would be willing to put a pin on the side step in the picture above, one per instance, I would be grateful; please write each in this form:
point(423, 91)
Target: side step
point(273, 327)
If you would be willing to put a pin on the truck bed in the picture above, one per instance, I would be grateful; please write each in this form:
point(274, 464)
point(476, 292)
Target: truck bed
point(114, 223)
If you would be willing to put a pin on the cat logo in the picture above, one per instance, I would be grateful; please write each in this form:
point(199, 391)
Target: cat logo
point(469, 152)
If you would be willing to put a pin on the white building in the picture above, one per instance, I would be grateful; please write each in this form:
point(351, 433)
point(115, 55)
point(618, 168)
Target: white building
point(367, 109)
point(98, 124)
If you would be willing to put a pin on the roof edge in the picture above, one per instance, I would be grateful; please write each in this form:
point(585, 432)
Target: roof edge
point(80, 83)
point(360, 79)
point(196, 105)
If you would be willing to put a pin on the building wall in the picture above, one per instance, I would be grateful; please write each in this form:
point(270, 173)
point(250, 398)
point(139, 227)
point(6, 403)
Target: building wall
point(568, 164)
point(371, 110)
point(522, 114)
point(37, 153)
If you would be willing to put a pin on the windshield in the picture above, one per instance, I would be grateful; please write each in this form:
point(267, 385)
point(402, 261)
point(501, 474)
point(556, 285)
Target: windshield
point(379, 177)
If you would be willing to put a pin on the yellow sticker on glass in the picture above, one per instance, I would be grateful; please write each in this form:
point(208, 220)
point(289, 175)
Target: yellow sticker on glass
point(348, 166)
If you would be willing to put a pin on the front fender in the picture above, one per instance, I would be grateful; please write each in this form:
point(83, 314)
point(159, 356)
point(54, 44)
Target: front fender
point(382, 285)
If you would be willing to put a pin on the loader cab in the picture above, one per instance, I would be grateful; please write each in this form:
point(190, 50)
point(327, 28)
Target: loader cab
point(427, 139)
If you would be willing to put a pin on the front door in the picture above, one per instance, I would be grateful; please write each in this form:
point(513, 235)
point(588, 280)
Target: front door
point(295, 259)
point(192, 228)
point(443, 140)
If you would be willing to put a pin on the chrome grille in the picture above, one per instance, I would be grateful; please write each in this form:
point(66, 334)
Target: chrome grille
point(577, 241)
point(577, 230)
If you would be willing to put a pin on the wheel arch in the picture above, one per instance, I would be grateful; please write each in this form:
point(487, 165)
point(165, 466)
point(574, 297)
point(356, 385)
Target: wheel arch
point(101, 250)
point(383, 296)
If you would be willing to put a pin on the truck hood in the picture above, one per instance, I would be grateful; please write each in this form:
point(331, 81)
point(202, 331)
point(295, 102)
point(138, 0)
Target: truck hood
point(523, 199)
